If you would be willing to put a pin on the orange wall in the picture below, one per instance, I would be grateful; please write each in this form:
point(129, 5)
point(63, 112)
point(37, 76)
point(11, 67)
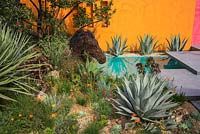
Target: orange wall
point(160, 18)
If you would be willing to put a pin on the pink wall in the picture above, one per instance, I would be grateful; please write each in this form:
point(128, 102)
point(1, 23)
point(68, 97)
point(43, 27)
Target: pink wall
point(196, 28)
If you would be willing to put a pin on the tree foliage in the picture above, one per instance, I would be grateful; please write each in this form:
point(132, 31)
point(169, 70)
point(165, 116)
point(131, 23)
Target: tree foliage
point(48, 21)
point(16, 15)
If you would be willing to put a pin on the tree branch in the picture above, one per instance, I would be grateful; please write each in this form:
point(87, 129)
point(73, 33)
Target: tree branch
point(29, 22)
point(90, 24)
point(74, 7)
point(34, 5)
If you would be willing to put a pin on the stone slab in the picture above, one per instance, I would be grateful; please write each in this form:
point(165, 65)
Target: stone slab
point(196, 104)
point(189, 59)
point(184, 81)
point(195, 47)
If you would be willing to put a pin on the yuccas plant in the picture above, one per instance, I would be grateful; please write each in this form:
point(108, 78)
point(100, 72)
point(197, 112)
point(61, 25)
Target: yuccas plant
point(118, 46)
point(147, 44)
point(14, 54)
point(175, 43)
point(144, 98)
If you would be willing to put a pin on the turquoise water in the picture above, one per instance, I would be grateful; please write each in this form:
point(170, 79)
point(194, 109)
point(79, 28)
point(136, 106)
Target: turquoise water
point(120, 65)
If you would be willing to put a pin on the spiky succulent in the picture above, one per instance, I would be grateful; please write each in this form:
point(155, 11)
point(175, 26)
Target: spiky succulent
point(144, 98)
point(118, 46)
point(147, 44)
point(175, 43)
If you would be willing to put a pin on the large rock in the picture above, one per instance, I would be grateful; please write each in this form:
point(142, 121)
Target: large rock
point(84, 41)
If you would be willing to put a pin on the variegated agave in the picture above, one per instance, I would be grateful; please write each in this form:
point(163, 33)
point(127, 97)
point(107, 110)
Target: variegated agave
point(144, 98)
point(118, 47)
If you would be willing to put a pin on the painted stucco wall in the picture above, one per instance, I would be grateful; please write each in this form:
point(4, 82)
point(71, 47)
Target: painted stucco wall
point(160, 18)
point(196, 28)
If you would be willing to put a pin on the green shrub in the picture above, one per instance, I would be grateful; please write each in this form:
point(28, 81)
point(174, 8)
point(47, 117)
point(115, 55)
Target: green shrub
point(144, 98)
point(118, 47)
point(102, 107)
point(116, 129)
point(60, 107)
point(66, 124)
point(95, 127)
point(81, 100)
point(15, 70)
point(25, 116)
point(63, 85)
point(179, 98)
point(54, 47)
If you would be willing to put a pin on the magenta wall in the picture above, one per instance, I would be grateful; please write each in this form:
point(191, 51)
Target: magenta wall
point(196, 28)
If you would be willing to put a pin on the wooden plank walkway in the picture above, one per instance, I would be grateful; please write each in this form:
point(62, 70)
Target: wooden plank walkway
point(189, 59)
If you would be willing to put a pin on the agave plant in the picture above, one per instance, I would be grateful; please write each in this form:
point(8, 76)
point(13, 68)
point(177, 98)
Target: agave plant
point(175, 43)
point(118, 46)
point(14, 54)
point(144, 98)
point(147, 44)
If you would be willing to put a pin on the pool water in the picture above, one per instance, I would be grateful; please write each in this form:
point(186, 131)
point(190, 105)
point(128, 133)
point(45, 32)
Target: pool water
point(118, 66)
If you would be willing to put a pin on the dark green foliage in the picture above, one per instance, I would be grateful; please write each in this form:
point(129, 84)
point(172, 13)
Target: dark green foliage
point(16, 15)
point(63, 85)
point(81, 100)
point(25, 116)
point(179, 98)
point(186, 125)
point(95, 127)
point(54, 47)
point(195, 115)
point(66, 124)
point(102, 107)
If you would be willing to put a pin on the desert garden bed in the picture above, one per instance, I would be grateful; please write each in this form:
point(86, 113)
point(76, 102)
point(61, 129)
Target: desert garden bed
point(47, 89)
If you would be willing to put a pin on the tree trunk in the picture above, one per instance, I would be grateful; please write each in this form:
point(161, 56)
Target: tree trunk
point(39, 20)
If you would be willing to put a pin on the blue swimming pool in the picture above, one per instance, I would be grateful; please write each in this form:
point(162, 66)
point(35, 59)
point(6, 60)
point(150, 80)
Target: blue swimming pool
point(118, 66)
